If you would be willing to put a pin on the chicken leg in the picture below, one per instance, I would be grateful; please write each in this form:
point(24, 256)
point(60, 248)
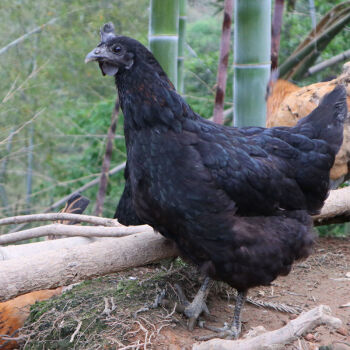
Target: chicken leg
point(234, 331)
point(236, 324)
point(198, 305)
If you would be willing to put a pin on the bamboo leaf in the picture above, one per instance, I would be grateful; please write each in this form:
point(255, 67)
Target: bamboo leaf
point(322, 40)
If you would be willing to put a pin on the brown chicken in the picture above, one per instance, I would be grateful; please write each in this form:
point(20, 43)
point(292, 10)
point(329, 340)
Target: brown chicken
point(280, 90)
point(288, 104)
point(14, 312)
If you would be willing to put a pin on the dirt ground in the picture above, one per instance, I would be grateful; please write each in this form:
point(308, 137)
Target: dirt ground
point(321, 279)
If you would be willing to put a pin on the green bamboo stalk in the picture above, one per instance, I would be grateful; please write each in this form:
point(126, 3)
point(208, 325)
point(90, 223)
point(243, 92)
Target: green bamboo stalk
point(163, 35)
point(252, 45)
point(181, 45)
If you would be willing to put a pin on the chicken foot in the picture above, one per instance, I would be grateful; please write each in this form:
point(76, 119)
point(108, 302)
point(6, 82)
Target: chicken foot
point(198, 305)
point(233, 331)
point(191, 310)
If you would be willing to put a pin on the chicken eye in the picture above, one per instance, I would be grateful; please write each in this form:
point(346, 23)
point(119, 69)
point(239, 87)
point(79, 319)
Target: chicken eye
point(117, 49)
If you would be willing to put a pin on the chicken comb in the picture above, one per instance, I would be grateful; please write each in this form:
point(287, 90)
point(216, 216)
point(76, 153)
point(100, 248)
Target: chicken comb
point(107, 32)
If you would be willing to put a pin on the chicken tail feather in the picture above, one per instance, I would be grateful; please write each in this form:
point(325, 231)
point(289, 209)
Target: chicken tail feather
point(326, 121)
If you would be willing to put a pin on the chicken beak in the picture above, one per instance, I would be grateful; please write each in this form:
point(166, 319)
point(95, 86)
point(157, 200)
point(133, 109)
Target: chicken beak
point(92, 56)
point(96, 54)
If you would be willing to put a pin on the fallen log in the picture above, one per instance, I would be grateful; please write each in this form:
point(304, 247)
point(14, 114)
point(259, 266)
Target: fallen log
point(278, 338)
point(336, 209)
point(66, 266)
point(88, 259)
point(22, 250)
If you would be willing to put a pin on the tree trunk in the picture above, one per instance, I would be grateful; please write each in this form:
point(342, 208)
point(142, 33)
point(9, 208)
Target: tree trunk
point(276, 32)
point(101, 194)
point(252, 49)
point(163, 35)
point(223, 62)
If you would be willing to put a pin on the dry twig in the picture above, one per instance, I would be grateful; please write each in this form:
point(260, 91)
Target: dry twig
point(76, 331)
point(94, 220)
point(72, 231)
point(278, 338)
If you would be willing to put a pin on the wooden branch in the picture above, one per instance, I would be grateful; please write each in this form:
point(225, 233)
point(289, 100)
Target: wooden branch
point(72, 231)
point(336, 208)
point(66, 266)
point(338, 203)
point(92, 183)
point(277, 339)
point(94, 220)
point(328, 63)
point(26, 35)
point(19, 129)
point(228, 116)
point(218, 114)
point(63, 200)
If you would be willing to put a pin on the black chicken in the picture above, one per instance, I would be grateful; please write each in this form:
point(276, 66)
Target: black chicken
point(237, 201)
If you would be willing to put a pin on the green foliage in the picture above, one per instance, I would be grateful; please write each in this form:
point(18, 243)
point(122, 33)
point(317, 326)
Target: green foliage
point(85, 135)
point(336, 230)
point(201, 61)
point(45, 75)
point(296, 26)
